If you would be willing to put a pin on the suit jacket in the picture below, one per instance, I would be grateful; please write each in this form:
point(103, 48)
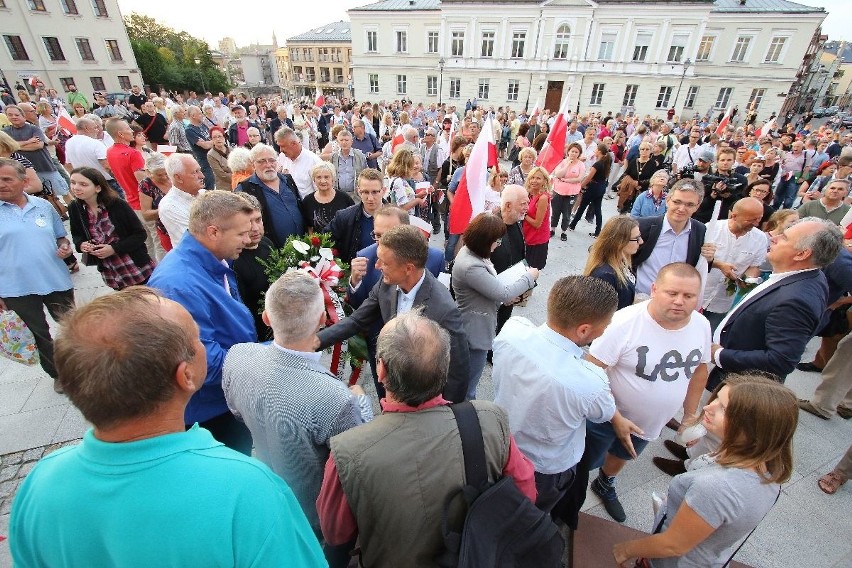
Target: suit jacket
point(650, 229)
point(770, 330)
point(434, 264)
point(437, 305)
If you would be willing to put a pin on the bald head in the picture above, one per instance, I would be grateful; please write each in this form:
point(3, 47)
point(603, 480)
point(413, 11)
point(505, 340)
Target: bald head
point(746, 214)
point(514, 201)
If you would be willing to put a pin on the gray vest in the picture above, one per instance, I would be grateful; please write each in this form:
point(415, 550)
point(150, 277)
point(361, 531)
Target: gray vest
point(397, 472)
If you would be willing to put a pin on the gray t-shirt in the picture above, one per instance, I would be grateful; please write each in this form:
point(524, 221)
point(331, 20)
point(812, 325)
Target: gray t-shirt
point(41, 159)
point(731, 500)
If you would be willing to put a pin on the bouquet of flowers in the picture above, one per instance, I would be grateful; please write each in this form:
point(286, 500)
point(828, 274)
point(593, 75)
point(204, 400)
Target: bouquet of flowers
point(315, 254)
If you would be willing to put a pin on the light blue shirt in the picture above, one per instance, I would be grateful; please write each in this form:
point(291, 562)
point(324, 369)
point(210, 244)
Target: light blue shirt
point(671, 247)
point(28, 261)
point(405, 301)
point(548, 391)
point(575, 137)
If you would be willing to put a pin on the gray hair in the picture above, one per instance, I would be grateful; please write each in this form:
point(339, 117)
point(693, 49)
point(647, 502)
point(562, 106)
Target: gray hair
point(154, 161)
point(19, 168)
point(259, 149)
point(193, 111)
point(688, 185)
point(357, 122)
point(660, 173)
point(824, 244)
point(323, 167)
point(205, 106)
point(252, 130)
point(239, 159)
point(415, 352)
point(431, 131)
point(345, 133)
point(409, 133)
point(93, 117)
point(176, 164)
point(294, 304)
point(512, 193)
point(285, 132)
point(393, 211)
point(255, 203)
point(84, 123)
point(214, 208)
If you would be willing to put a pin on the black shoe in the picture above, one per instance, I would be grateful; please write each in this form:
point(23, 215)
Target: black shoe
point(552, 232)
point(593, 235)
point(676, 449)
point(808, 367)
point(671, 467)
point(436, 230)
point(610, 500)
point(563, 237)
point(844, 413)
point(673, 424)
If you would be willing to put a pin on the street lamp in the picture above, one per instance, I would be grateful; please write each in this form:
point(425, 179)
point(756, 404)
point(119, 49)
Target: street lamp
point(198, 62)
point(441, 63)
point(686, 65)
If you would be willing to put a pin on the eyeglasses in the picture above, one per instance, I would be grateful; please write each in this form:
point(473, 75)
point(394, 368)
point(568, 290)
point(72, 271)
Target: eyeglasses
point(636, 240)
point(687, 204)
point(265, 160)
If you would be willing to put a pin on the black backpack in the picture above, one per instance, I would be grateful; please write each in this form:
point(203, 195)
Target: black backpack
point(502, 528)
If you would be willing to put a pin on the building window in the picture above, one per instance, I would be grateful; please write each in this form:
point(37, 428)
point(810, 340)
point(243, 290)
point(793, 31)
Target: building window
point(124, 82)
point(597, 94)
point(66, 83)
point(606, 48)
point(756, 98)
point(113, 50)
point(663, 97)
point(432, 42)
point(691, 94)
point(514, 89)
point(431, 86)
point(640, 50)
point(705, 48)
point(325, 75)
point(563, 34)
point(54, 50)
point(775, 48)
point(630, 95)
point(487, 44)
point(69, 7)
point(401, 42)
point(372, 41)
point(307, 54)
point(401, 84)
point(84, 49)
point(676, 48)
point(37, 5)
point(310, 74)
point(741, 49)
point(457, 44)
point(98, 84)
point(100, 11)
point(724, 98)
point(484, 88)
point(455, 88)
point(518, 41)
point(338, 74)
point(16, 48)
point(374, 83)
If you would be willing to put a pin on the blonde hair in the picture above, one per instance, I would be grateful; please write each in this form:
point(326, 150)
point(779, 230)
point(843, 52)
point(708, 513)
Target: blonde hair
point(8, 144)
point(529, 150)
point(609, 246)
point(542, 172)
point(402, 163)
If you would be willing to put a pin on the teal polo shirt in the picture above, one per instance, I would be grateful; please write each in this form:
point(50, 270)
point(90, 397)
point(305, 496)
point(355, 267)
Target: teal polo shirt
point(182, 500)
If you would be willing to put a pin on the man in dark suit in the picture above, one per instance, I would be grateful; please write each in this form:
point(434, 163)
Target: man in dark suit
point(769, 329)
point(406, 284)
point(673, 237)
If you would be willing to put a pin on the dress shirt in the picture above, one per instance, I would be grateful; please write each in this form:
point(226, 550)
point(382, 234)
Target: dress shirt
point(300, 169)
point(743, 252)
point(405, 301)
point(174, 213)
point(314, 356)
point(670, 247)
point(346, 172)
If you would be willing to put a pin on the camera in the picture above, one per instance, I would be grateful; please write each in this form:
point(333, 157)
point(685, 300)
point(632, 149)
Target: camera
point(731, 183)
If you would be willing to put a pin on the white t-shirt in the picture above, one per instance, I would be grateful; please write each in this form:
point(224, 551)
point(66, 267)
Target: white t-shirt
point(300, 169)
point(82, 151)
point(743, 252)
point(649, 367)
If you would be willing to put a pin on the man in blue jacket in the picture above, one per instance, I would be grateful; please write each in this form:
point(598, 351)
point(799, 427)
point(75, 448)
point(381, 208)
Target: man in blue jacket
point(195, 275)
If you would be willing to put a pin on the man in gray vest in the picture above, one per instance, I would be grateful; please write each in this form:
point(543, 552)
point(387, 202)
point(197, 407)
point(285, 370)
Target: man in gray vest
point(387, 481)
point(348, 162)
point(432, 156)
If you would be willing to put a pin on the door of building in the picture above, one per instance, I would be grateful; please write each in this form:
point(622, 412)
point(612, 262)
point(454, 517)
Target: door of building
point(553, 98)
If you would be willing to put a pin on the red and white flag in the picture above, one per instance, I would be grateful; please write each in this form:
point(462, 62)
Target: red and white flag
point(452, 131)
point(536, 109)
point(469, 198)
point(397, 139)
point(65, 122)
point(553, 150)
point(764, 130)
point(725, 120)
point(320, 98)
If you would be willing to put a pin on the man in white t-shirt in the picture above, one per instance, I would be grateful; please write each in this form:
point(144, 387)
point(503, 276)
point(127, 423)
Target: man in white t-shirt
point(296, 160)
point(655, 354)
point(84, 150)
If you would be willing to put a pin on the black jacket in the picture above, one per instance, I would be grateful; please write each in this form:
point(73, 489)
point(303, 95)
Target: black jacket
point(705, 210)
point(650, 229)
point(345, 228)
point(129, 230)
point(255, 190)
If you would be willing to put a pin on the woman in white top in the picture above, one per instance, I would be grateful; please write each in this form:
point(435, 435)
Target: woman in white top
point(497, 180)
point(400, 170)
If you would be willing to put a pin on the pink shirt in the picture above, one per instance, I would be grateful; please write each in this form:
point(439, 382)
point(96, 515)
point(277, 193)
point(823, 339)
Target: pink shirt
point(242, 133)
point(566, 171)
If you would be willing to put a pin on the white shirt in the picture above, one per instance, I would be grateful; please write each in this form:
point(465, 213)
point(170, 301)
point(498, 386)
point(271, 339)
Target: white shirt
point(300, 169)
point(314, 356)
point(548, 392)
point(174, 213)
point(686, 155)
point(83, 151)
point(405, 301)
point(649, 367)
point(743, 252)
point(670, 247)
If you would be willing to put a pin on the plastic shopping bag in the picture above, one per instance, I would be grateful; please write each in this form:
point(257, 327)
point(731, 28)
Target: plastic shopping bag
point(16, 340)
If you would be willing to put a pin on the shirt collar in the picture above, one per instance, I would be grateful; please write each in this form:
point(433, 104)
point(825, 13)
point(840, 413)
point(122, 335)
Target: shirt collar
point(776, 276)
point(388, 406)
point(313, 356)
point(560, 340)
point(413, 292)
point(206, 259)
point(667, 227)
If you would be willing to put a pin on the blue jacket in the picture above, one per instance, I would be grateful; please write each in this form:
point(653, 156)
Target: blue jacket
point(644, 206)
point(191, 276)
point(434, 264)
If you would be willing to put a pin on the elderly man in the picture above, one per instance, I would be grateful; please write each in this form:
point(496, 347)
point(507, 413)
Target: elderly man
point(34, 147)
point(831, 205)
point(280, 200)
point(740, 250)
point(292, 404)
point(238, 130)
point(411, 454)
point(198, 136)
point(137, 474)
point(406, 284)
point(187, 181)
point(176, 133)
point(195, 275)
point(295, 160)
point(366, 142)
point(352, 228)
point(769, 329)
point(548, 390)
point(348, 162)
point(32, 275)
point(84, 149)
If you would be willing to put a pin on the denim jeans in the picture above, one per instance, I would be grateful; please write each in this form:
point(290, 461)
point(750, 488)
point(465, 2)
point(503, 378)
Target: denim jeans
point(785, 193)
point(477, 364)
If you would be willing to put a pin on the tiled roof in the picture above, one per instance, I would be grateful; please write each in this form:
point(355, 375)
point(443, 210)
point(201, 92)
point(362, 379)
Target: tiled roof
point(780, 6)
point(399, 5)
point(333, 32)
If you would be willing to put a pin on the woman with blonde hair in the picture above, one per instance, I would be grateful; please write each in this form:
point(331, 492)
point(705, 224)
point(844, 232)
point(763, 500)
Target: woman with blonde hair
point(320, 206)
point(726, 493)
point(518, 174)
point(536, 230)
point(9, 149)
point(497, 180)
point(400, 169)
point(610, 257)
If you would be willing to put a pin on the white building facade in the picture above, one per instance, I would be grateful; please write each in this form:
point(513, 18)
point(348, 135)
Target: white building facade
point(698, 56)
point(83, 42)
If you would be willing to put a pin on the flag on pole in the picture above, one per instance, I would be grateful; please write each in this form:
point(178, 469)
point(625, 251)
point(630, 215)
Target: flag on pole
point(397, 139)
point(725, 120)
point(764, 130)
point(469, 198)
point(537, 108)
point(553, 150)
point(65, 122)
point(320, 98)
point(452, 131)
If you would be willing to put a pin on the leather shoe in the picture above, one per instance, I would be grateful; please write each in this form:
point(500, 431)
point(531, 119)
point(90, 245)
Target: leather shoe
point(671, 467)
point(808, 407)
point(676, 449)
point(673, 425)
point(844, 413)
point(808, 368)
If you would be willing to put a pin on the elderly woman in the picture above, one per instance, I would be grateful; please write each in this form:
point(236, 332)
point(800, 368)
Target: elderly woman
point(518, 174)
point(479, 292)
point(610, 257)
point(242, 168)
point(217, 156)
point(535, 226)
point(652, 203)
point(321, 205)
point(152, 189)
point(254, 137)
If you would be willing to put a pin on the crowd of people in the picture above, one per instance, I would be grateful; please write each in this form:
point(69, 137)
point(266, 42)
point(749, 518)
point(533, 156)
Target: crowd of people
point(726, 257)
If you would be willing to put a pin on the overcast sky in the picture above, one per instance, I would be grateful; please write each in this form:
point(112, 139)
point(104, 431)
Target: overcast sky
point(254, 21)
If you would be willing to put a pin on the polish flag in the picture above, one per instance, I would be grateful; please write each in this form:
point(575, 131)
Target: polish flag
point(764, 130)
point(65, 122)
point(452, 131)
point(320, 98)
point(424, 226)
point(553, 150)
point(397, 139)
point(470, 194)
point(725, 120)
point(536, 109)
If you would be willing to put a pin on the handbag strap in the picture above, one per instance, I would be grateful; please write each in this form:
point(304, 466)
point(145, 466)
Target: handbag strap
point(473, 446)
